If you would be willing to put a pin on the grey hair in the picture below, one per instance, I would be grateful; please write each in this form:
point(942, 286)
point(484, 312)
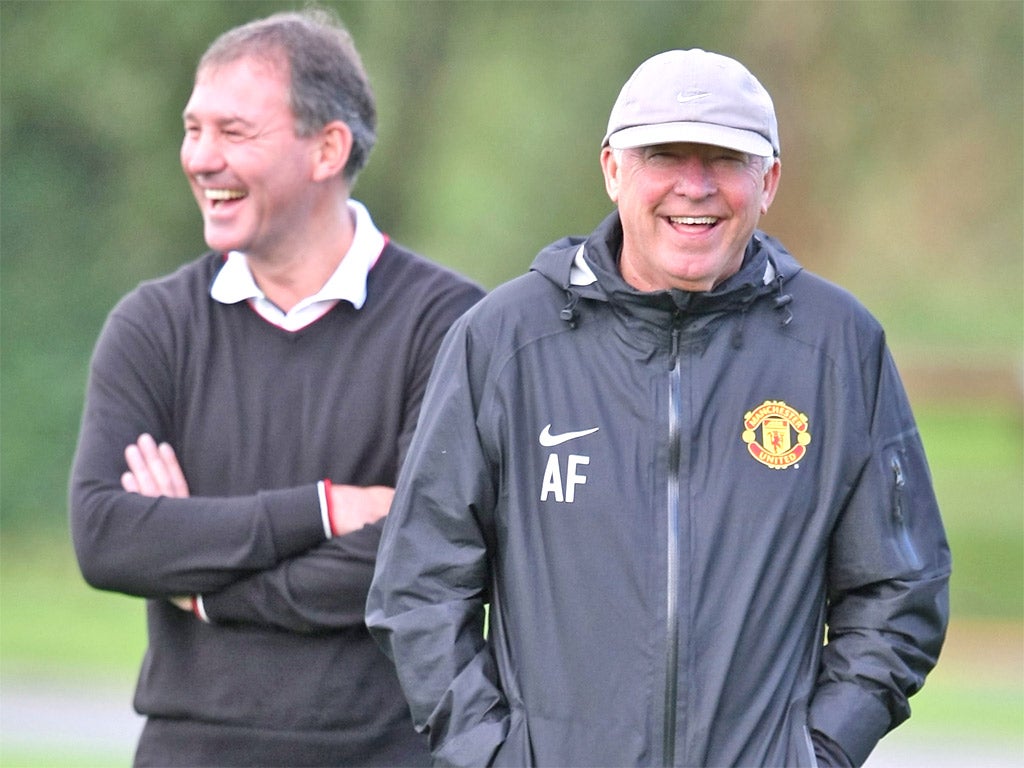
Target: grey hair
point(328, 81)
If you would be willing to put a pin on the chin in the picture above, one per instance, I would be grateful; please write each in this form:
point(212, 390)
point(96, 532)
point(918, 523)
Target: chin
point(218, 241)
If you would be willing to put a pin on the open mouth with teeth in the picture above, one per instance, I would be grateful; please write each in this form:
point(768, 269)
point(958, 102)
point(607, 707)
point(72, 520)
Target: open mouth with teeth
point(220, 196)
point(694, 221)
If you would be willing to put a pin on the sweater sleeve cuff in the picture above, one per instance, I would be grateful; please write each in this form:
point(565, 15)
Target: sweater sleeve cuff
point(199, 609)
point(295, 519)
point(323, 489)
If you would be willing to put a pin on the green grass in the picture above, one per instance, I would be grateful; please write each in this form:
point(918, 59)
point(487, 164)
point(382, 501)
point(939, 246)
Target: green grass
point(50, 757)
point(975, 453)
point(49, 617)
point(993, 711)
point(56, 629)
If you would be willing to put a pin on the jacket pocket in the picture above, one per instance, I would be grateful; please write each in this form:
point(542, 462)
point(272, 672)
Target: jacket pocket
point(809, 746)
point(796, 748)
point(516, 750)
point(900, 481)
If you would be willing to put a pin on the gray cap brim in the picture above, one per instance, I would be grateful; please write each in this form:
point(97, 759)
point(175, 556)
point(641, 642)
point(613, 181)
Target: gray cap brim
point(691, 133)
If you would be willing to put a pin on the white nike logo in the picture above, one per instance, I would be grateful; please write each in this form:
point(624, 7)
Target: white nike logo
point(692, 97)
point(549, 441)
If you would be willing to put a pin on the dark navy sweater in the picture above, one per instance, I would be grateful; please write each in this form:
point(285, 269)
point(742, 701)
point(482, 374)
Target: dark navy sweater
point(285, 672)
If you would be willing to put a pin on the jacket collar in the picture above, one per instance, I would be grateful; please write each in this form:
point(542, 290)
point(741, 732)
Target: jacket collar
point(586, 269)
point(589, 268)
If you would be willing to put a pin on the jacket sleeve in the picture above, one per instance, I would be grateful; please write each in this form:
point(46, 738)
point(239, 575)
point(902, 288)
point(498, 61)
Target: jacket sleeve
point(889, 567)
point(426, 601)
point(161, 547)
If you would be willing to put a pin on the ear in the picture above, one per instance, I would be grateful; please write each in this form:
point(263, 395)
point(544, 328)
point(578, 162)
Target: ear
point(332, 148)
point(610, 168)
point(771, 185)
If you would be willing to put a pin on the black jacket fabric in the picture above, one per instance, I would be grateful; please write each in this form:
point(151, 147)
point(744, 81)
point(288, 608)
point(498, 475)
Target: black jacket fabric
point(285, 672)
point(664, 498)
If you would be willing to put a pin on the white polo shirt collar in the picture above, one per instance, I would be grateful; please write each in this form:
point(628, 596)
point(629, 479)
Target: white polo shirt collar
point(235, 282)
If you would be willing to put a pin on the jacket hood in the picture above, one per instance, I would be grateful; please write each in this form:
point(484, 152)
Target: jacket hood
point(587, 269)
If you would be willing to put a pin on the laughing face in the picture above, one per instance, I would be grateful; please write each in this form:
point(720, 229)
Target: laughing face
point(687, 211)
point(250, 173)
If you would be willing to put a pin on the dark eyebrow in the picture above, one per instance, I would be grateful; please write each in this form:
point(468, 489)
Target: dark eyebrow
point(186, 116)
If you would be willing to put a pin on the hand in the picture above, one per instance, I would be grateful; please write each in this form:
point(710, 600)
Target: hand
point(153, 470)
point(352, 506)
point(185, 603)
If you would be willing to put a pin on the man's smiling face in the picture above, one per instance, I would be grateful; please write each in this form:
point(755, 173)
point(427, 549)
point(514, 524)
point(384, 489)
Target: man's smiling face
point(687, 210)
point(249, 172)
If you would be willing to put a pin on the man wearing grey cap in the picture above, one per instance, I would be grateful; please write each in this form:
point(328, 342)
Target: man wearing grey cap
point(672, 462)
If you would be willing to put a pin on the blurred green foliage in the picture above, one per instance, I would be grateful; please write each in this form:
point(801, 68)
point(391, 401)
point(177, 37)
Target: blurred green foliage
point(903, 180)
point(902, 146)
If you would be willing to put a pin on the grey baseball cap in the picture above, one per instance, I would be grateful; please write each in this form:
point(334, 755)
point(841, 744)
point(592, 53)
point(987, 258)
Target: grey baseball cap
point(694, 96)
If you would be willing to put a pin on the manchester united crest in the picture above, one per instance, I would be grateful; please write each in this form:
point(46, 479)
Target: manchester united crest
point(776, 435)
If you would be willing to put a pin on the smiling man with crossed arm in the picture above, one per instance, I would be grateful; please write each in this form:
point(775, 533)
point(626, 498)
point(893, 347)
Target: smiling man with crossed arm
point(246, 418)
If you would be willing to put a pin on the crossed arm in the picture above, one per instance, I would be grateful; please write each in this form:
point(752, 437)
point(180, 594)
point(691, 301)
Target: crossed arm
point(154, 470)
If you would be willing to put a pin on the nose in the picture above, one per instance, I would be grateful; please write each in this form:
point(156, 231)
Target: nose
point(694, 178)
point(200, 153)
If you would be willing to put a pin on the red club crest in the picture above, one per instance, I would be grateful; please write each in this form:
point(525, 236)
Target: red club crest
point(776, 435)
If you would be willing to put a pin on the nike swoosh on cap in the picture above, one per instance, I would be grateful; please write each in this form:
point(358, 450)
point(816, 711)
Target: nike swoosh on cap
point(691, 97)
point(549, 441)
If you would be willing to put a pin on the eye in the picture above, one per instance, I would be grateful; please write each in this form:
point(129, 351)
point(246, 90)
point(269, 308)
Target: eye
point(730, 158)
point(236, 131)
point(659, 155)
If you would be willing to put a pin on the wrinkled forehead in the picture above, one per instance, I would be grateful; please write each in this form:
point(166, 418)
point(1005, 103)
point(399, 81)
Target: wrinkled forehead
point(270, 64)
point(249, 85)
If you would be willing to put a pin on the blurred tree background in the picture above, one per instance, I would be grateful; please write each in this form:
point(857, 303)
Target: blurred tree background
point(901, 129)
point(903, 180)
point(901, 137)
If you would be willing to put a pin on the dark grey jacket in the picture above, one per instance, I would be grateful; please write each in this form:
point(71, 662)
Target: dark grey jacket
point(665, 498)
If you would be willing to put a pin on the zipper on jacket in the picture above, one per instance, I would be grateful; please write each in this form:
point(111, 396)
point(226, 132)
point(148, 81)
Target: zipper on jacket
point(903, 534)
point(672, 557)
